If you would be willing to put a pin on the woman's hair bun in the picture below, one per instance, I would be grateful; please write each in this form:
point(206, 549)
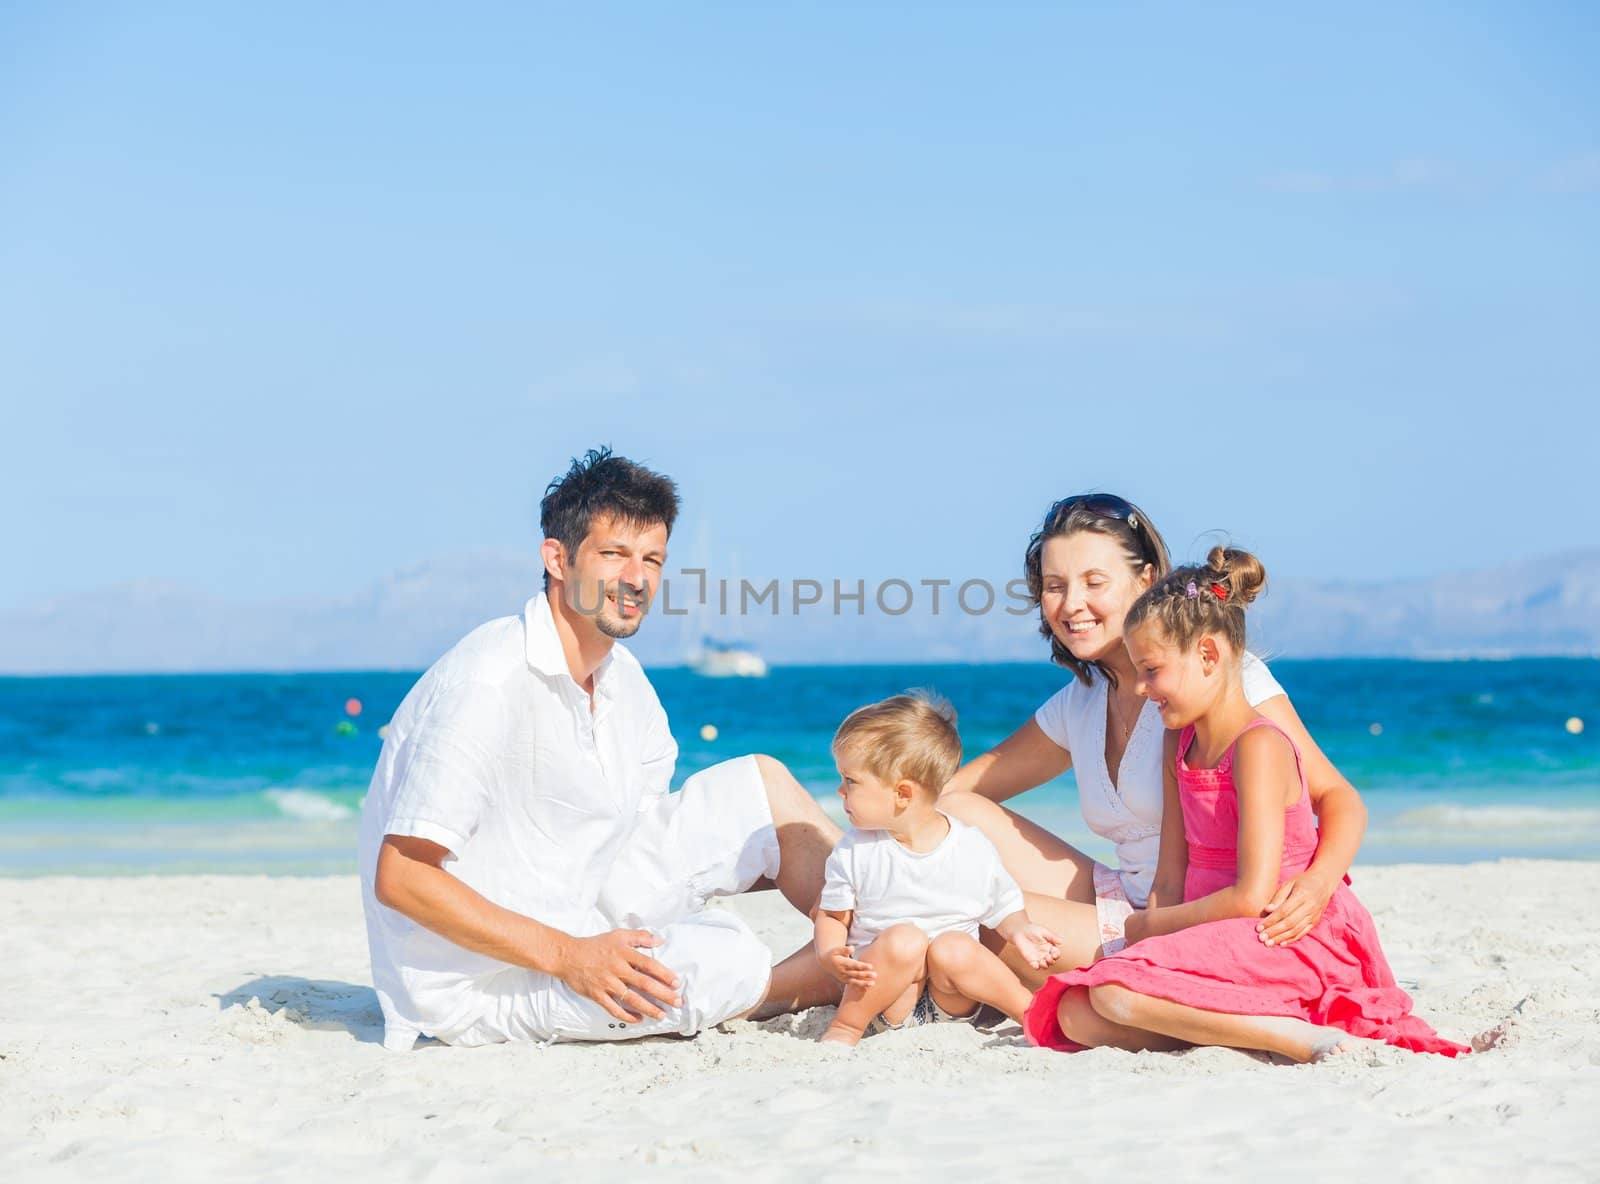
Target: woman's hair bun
point(1241, 572)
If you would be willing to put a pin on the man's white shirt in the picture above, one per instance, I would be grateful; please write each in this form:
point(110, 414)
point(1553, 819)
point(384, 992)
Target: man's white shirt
point(957, 886)
point(496, 755)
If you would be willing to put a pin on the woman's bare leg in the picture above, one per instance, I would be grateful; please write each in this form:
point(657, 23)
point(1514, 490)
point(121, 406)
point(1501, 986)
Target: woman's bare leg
point(1296, 1039)
point(962, 974)
point(1036, 859)
point(900, 956)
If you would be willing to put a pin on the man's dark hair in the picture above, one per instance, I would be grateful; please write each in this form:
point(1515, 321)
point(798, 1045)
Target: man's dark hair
point(600, 485)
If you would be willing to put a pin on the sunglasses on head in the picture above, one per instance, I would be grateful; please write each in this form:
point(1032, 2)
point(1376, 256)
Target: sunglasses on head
point(1105, 505)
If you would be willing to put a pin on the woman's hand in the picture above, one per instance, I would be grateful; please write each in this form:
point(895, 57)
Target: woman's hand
point(1295, 908)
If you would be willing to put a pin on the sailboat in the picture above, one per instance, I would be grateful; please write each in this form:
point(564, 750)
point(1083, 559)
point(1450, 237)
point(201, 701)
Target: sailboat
point(721, 657)
point(727, 659)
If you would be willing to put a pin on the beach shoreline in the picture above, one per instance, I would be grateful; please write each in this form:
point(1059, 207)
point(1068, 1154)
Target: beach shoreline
point(196, 1026)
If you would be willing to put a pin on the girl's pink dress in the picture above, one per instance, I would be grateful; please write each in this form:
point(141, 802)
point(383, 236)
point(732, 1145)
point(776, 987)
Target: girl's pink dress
point(1336, 974)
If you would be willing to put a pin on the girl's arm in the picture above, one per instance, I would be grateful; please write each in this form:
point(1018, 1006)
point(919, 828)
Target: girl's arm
point(1172, 865)
point(1263, 771)
point(1341, 823)
point(1022, 760)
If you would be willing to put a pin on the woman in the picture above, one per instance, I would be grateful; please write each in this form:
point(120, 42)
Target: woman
point(1092, 558)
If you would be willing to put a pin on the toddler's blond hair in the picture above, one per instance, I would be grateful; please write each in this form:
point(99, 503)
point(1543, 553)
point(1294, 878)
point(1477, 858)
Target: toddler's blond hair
point(910, 737)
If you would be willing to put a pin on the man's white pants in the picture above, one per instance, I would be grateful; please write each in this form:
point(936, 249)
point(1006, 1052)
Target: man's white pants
point(714, 837)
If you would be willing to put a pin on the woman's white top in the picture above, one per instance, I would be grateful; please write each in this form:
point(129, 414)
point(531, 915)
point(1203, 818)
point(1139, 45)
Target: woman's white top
point(1127, 811)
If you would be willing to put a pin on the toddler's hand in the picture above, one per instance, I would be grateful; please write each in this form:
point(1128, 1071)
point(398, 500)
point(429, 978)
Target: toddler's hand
point(843, 965)
point(1037, 945)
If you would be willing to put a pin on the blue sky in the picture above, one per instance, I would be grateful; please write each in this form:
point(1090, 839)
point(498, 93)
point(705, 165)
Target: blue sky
point(294, 295)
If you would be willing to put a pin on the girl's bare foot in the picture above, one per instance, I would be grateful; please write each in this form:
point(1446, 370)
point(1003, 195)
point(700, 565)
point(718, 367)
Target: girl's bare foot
point(1336, 1043)
point(1304, 1042)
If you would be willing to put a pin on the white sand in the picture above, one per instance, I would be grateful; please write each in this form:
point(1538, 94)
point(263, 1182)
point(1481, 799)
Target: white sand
point(133, 1048)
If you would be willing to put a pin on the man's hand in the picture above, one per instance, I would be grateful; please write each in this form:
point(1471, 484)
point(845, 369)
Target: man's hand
point(1295, 908)
point(841, 962)
point(613, 970)
point(1038, 946)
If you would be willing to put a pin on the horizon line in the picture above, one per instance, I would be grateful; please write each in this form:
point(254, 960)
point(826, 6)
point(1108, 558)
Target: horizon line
point(257, 672)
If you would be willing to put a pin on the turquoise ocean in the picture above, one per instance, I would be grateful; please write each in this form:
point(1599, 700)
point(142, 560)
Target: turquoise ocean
point(264, 773)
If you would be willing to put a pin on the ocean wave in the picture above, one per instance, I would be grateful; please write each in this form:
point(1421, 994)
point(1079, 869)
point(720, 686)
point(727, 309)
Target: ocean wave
point(305, 806)
point(1569, 820)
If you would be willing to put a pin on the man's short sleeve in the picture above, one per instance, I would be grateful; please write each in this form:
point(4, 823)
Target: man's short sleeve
point(1256, 680)
point(1052, 717)
point(447, 767)
point(838, 879)
point(1005, 897)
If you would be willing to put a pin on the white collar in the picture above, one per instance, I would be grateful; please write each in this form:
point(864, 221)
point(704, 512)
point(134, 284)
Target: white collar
point(544, 650)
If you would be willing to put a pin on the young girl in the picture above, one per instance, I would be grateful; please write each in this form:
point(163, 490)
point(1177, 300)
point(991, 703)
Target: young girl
point(1237, 824)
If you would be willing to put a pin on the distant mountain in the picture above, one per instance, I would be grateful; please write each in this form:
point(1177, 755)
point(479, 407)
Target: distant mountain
point(403, 622)
point(1541, 607)
point(1545, 606)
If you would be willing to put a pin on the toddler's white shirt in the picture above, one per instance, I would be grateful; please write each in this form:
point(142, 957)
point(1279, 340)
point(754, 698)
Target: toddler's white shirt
point(957, 886)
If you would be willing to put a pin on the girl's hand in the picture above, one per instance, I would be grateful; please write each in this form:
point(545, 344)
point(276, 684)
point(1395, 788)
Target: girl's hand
point(1137, 926)
point(1038, 946)
point(1295, 908)
point(1164, 894)
point(841, 962)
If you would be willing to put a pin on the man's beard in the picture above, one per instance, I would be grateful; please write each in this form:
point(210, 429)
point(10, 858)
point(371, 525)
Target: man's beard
point(617, 627)
point(617, 630)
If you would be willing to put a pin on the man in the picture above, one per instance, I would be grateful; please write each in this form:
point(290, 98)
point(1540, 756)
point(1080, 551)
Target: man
point(525, 874)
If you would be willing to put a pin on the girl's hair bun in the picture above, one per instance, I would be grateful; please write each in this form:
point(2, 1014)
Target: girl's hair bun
point(1241, 572)
point(1208, 598)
